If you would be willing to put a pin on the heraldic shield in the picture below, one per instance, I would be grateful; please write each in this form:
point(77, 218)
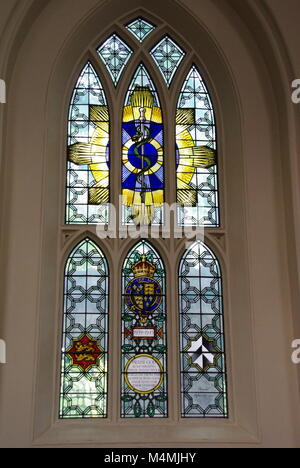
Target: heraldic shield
point(143, 293)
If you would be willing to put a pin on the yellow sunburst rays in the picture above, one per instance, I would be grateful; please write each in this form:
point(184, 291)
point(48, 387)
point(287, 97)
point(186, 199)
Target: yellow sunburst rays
point(142, 213)
point(190, 157)
point(94, 154)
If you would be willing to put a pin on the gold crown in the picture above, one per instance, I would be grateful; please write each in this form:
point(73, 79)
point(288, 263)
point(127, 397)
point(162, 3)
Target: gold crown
point(143, 268)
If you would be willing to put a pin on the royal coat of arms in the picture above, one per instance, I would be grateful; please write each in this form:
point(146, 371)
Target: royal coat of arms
point(143, 293)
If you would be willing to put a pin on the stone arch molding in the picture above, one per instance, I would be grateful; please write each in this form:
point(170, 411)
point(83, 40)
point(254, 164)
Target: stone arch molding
point(41, 74)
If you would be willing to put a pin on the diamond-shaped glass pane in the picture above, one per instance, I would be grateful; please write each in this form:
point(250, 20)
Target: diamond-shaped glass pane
point(115, 55)
point(167, 56)
point(140, 29)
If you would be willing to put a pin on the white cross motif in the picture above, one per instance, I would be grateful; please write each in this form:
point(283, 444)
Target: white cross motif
point(202, 352)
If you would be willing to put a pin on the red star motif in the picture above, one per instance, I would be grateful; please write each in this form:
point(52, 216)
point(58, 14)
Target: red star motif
point(85, 352)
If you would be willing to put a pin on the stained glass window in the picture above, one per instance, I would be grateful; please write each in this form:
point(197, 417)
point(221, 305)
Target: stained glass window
point(167, 55)
point(115, 54)
point(203, 370)
point(144, 340)
point(140, 28)
point(142, 153)
point(85, 334)
point(143, 353)
point(196, 155)
point(88, 152)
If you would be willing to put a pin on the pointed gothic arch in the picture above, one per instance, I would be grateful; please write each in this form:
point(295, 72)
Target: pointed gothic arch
point(88, 155)
point(235, 109)
point(143, 181)
point(84, 358)
point(202, 336)
point(196, 154)
point(144, 392)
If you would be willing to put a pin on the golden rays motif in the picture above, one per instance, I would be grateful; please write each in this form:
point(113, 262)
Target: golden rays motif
point(142, 211)
point(191, 157)
point(94, 154)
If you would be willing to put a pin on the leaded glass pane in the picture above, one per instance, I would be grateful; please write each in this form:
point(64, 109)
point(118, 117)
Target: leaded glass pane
point(85, 334)
point(144, 335)
point(196, 155)
point(140, 28)
point(167, 55)
point(88, 152)
point(203, 369)
point(142, 153)
point(115, 54)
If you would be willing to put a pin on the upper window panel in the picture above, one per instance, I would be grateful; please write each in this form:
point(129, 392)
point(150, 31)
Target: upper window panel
point(196, 155)
point(142, 153)
point(167, 55)
point(140, 28)
point(115, 54)
point(88, 152)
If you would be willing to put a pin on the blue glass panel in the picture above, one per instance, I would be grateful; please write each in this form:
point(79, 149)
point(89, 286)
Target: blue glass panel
point(142, 143)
